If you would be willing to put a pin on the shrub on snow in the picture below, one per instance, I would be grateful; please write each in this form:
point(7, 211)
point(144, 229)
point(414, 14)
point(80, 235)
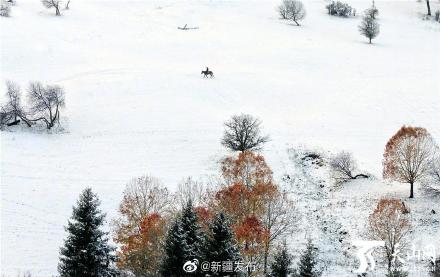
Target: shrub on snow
point(5, 9)
point(340, 9)
point(437, 16)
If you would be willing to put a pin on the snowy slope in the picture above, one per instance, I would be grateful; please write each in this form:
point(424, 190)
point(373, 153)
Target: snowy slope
point(335, 216)
point(136, 103)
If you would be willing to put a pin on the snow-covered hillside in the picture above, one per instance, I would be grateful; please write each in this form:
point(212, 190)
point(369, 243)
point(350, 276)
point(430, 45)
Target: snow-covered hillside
point(136, 103)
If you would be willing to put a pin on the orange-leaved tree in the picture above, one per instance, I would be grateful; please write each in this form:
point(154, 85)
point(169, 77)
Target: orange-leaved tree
point(141, 225)
point(141, 252)
point(252, 200)
point(389, 222)
point(408, 156)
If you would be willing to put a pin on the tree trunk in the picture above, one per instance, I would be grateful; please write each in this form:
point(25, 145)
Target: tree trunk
point(411, 195)
point(57, 11)
point(429, 7)
point(266, 258)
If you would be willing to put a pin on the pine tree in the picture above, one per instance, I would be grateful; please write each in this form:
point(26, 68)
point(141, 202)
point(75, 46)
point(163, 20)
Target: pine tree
point(183, 243)
point(174, 252)
point(282, 263)
point(308, 262)
point(86, 252)
point(369, 26)
point(194, 236)
point(221, 246)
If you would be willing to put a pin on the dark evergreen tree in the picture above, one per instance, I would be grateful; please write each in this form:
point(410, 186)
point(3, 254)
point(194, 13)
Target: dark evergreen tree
point(435, 267)
point(281, 266)
point(220, 245)
point(308, 262)
point(174, 252)
point(86, 252)
point(183, 243)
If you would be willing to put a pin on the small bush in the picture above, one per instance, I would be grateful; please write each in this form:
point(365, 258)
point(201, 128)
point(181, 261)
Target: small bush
point(437, 16)
point(5, 9)
point(340, 9)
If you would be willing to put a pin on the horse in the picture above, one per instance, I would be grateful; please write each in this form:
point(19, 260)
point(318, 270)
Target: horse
point(207, 73)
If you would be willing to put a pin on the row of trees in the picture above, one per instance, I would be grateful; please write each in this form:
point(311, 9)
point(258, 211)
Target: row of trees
point(5, 6)
point(44, 104)
point(258, 212)
point(245, 218)
point(294, 10)
point(411, 155)
point(87, 251)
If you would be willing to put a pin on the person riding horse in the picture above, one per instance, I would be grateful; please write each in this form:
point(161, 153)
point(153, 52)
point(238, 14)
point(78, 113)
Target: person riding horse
point(207, 72)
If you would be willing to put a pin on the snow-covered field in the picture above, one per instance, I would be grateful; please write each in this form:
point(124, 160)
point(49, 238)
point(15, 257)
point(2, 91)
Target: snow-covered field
point(136, 103)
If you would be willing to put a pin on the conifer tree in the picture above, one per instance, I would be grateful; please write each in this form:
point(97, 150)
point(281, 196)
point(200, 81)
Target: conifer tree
point(281, 266)
point(220, 245)
point(86, 251)
point(308, 262)
point(183, 243)
point(174, 252)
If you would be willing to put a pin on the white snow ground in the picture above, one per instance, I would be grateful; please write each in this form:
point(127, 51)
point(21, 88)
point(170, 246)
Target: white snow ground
point(136, 103)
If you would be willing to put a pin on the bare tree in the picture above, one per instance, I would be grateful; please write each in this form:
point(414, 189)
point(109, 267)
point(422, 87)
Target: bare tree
point(143, 196)
point(46, 102)
point(52, 4)
point(343, 167)
point(283, 9)
point(293, 10)
point(190, 189)
point(280, 218)
point(408, 156)
point(297, 12)
point(13, 110)
point(369, 26)
point(67, 5)
point(432, 185)
point(435, 169)
point(390, 223)
point(242, 133)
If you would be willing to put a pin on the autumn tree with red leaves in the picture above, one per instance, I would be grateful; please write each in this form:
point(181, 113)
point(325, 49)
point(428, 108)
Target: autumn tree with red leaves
point(140, 228)
point(390, 223)
point(141, 252)
point(260, 213)
point(251, 235)
point(408, 156)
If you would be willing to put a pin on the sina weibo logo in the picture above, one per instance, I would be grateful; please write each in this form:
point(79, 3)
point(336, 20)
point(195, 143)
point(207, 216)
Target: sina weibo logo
point(190, 266)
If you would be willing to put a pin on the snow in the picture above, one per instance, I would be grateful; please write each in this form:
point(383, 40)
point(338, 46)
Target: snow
point(136, 103)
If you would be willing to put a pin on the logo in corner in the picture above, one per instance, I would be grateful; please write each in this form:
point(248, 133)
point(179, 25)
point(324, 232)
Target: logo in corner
point(364, 254)
point(190, 266)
